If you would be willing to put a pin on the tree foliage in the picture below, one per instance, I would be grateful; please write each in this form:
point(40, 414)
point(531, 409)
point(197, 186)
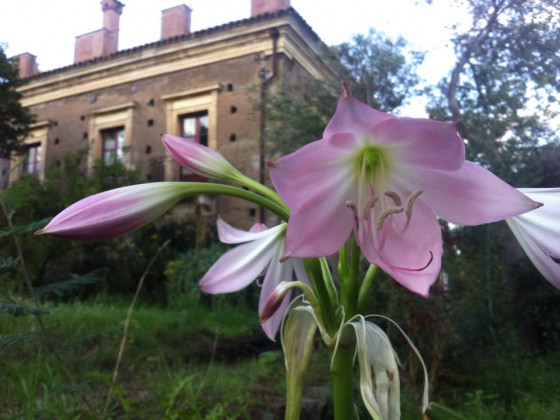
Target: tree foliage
point(14, 118)
point(504, 85)
point(381, 71)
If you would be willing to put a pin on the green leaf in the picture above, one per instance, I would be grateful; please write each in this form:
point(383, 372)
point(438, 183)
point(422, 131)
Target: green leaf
point(8, 341)
point(16, 230)
point(8, 262)
point(17, 309)
point(76, 281)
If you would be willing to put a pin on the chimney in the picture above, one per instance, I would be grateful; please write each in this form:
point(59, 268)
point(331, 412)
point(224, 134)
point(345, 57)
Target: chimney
point(258, 7)
point(27, 65)
point(104, 41)
point(175, 21)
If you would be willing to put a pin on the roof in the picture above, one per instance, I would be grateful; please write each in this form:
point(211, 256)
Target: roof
point(204, 32)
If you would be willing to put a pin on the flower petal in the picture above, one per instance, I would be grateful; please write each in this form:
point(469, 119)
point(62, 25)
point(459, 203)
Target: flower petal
point(315, 183)
point(230, 235)
point(352, 116)
point(199, 159)
point(469, 196)
point(411, 255)
point(538, 232)
point(238, 267)
point(422, 142)
point(115, 212)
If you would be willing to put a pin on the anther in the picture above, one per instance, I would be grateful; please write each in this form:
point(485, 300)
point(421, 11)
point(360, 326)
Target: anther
point(410, 202)
point(369, 205)
point(385, 214)
point(352, 206)
point(395, 197)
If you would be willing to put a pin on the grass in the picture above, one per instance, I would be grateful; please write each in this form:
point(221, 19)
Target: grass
point(214, 363)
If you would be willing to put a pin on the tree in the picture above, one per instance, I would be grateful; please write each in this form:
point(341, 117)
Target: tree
point(504, 83)
point(14, 118)
point(381, 71)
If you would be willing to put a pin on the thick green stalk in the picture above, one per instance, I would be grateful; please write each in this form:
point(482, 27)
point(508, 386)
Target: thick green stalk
point(365, 288)
point(221, 189)
point(261, 189)
point(352, 285)
point(314, 271)
point(342, 382)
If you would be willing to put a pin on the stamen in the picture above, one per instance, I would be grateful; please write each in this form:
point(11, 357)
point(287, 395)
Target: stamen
point(410, 202)
point(414, 269)
point(369, 205)
point(285, 257)
point(385, 214)
point(352, 206)
point(395, 197)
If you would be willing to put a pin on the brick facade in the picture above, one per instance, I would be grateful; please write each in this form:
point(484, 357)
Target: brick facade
point(148, 89)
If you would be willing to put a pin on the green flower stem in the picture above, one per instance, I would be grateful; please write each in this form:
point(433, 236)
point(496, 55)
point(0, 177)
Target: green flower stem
point(342, 382)
point(343, 262)
point(261, 189)
point(315, 273)
point(350, 285)
point(365, 288)
point(193, 188)
point(329, 283)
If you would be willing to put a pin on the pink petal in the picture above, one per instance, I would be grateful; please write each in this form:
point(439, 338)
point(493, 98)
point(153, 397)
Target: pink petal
point(353, 116)
point(315, 183)
point(413, 256)
point(115, 212)
point(199, 159)
point(276, 273)
point(422, 142)
point(238, 267)
point(469, 196)
point(230, 235)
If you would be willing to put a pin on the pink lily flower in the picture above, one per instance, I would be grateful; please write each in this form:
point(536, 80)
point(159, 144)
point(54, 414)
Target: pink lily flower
point(538, 232)
point(258, 253)
point(115, 212)
point(199, 159)
point(387, 178)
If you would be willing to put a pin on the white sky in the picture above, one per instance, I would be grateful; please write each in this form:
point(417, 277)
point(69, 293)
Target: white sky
point(47, 28)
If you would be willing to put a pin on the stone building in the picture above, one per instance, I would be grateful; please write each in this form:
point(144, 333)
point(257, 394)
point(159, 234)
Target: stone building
point(203, 85)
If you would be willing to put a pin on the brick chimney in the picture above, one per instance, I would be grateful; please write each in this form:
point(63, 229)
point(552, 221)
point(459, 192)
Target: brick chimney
point(258, 7)
point(104, 41)
point(175, 21)
point(27, 65)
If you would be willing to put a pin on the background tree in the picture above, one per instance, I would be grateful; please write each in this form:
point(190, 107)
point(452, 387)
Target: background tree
point(14, 118)
point(503, 87)
point(379, 70)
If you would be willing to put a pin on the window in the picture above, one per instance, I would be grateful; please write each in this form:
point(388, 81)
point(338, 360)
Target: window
point(32, 163)
point(194, 127)
point(112, 143)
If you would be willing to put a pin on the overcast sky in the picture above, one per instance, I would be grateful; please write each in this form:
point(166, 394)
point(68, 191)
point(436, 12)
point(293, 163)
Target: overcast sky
point(48, 29)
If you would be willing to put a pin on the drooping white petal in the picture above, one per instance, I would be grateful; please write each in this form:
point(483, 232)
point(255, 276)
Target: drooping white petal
point(379, 375)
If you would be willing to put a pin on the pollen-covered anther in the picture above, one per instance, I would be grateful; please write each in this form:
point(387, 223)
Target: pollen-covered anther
point(395, 197)
point(369, 205)
point(410, 202)
point(385, 214)
point(352, 206)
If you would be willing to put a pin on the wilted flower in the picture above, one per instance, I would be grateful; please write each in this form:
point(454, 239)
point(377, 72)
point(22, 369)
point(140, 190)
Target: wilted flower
point(387, 178)
point(538, 232)
point(115, 212)
point(259, 252)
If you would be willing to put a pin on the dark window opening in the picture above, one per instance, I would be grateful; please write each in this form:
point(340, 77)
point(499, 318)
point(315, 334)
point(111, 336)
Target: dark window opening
point(112, 144)
point(232, 137)
point(193, 127)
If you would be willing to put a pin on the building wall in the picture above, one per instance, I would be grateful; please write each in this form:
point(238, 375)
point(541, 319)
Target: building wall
point(147, 88)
